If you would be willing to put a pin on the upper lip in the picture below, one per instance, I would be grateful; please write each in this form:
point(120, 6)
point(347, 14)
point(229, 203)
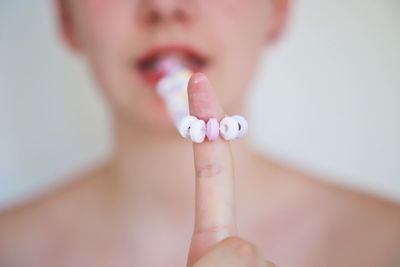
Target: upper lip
point(183, 50)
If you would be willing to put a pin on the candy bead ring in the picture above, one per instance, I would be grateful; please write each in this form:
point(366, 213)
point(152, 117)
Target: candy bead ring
point(197, 130)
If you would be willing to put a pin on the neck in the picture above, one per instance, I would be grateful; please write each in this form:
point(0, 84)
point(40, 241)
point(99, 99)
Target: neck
point(158, 167)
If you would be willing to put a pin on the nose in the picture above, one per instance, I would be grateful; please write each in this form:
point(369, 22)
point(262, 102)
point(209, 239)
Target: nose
point(161, 11)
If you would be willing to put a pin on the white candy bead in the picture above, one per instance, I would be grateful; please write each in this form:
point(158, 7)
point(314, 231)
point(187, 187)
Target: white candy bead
point(242, 125)
point(229, 128)
point(184, 126)
point(197, 131)
point(164, 86)
point(174, 83)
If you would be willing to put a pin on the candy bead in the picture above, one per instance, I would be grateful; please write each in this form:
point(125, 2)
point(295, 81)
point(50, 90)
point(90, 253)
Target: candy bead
point(197, 131)
point(184, 126)
point(169, 65)
point(229, 128)
point(164, 86)
point(243, 126)
point(174, 83)
point(212, 129)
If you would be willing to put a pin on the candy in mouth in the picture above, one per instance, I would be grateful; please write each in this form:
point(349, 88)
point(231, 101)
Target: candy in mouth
point(157, 62)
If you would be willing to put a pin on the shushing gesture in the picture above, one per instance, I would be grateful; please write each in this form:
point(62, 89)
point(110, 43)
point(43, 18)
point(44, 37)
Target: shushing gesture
point(215, 240)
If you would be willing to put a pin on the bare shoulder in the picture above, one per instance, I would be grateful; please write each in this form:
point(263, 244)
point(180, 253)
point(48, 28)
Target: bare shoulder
point(36, 224)
point(341, 223)
point(313, 187)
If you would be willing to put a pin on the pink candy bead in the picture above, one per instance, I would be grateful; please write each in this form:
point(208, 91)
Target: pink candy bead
point(212, 131)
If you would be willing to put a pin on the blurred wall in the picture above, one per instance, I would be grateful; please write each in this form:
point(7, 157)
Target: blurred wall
point(327, 99)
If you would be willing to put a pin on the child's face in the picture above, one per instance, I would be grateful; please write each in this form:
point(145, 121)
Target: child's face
point(227, 35)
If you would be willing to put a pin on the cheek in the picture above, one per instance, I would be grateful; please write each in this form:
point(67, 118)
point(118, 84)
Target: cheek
point(107, 33)
point(240, 33)
point(243, 24)
point(104, 28)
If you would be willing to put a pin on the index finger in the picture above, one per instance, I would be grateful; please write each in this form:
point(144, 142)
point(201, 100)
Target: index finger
point(214, 200)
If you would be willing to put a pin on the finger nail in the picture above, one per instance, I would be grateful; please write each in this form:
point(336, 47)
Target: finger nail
point(199, 77)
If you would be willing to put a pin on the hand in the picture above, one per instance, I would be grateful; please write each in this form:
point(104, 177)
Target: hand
point(213, 242)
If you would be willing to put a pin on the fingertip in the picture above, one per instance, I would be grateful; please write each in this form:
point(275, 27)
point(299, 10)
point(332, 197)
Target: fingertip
point(197, 87)
point(203, 102)
point(197, 78)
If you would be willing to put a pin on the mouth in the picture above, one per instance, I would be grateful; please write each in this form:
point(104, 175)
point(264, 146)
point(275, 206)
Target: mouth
point(150, 66)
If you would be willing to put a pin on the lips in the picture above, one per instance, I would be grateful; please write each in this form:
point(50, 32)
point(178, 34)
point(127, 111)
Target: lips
point(148, 65)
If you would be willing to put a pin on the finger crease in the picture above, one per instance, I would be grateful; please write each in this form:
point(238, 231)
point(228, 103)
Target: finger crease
point(208, 170)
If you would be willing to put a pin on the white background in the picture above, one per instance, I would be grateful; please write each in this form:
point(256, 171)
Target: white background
point(327, 99)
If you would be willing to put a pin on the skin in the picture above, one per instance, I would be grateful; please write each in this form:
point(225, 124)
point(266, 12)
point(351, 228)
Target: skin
point(221, 204)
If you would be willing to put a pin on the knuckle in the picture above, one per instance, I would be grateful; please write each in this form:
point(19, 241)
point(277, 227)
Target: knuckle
point(208, 170)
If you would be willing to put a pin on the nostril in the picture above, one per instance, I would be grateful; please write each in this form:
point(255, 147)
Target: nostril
point(180, 15)
point(154, 17)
